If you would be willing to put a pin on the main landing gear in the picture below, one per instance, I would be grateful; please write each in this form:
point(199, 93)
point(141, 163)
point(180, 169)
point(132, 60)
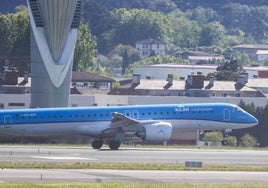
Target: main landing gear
point(226, 132)
point(97, 144)
point(113, 144)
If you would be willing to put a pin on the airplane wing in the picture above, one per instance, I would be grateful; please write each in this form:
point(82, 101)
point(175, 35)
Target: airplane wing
point(120, 120)
point(152, 130)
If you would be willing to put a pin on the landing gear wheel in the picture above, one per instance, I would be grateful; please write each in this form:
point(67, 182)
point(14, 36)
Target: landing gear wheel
point(97, 144)
point(224, 142)
point(114, 145)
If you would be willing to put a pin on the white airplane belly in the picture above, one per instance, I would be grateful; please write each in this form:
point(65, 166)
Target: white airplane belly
point(49, 129)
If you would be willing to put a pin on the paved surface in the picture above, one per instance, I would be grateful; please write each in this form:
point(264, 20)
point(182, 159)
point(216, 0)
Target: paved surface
point(132, 155)
point(136, 176)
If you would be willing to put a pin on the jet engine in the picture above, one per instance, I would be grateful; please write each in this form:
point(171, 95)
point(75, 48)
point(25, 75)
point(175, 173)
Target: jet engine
point(156, 131)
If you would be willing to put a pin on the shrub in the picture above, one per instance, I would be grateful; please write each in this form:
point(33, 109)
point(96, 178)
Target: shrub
point(248, 141)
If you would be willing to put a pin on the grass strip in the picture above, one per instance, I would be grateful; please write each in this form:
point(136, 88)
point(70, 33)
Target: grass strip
point(131, 166)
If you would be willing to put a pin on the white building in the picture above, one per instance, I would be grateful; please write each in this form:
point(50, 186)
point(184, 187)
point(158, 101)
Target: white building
point(262, 55)
point(160, 71)
point(149, 46)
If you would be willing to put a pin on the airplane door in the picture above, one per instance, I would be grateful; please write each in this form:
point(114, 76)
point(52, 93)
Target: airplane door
point(226, 114)
point(132, 114)
point(7, 121)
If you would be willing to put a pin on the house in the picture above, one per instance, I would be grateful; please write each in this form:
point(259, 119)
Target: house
point(249, 49)
point(86, 81)
point(193, 86)
point(160, 71)
point(150, 46)
point(262, 55)
point(82, 83)
point(199, 57)
point(199, 60)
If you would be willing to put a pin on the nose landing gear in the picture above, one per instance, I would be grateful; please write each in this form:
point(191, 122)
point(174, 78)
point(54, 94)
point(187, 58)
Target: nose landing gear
point(226, 132)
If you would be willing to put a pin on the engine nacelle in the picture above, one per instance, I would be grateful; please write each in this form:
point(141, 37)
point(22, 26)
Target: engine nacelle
point(156, 131)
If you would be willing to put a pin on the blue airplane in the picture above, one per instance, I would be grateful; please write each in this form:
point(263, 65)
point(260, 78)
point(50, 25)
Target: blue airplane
point(113, 124)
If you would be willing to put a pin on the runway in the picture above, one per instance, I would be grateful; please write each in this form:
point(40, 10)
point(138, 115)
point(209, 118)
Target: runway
point(132, 155)
point(56, 154)
point(134, 176)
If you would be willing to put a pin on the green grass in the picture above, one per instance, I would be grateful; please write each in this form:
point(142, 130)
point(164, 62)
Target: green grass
point(130, 166)
point(127, 185)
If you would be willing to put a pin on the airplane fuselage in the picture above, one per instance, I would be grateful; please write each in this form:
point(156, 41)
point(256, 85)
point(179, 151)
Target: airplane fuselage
point(99, 122)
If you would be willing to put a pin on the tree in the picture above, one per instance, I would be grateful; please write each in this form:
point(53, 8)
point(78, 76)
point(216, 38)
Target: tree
point(243, 59)
point(232, 141)
point(85, 51)
point(236, 16)
point(112, 64)
point(19, 56)
point(211, 34)
point(15, 40)
point(128, 53)
point(7, 39)
point(187, 33)
point(135, 25)
point(229, 70)
point(259, 23)
point(100, 21)
point(203, 15)
point(248, 141)
point(164, 6)
point(214, 137)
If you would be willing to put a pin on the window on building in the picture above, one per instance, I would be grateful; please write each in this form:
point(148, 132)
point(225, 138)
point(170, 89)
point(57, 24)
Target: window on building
point(16, 104)
point(104, 85)
point(224, 94)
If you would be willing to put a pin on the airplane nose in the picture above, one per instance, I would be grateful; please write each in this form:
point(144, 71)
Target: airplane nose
point(254, 120)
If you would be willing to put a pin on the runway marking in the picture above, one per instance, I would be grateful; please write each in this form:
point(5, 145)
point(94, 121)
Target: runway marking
point(63, 158)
